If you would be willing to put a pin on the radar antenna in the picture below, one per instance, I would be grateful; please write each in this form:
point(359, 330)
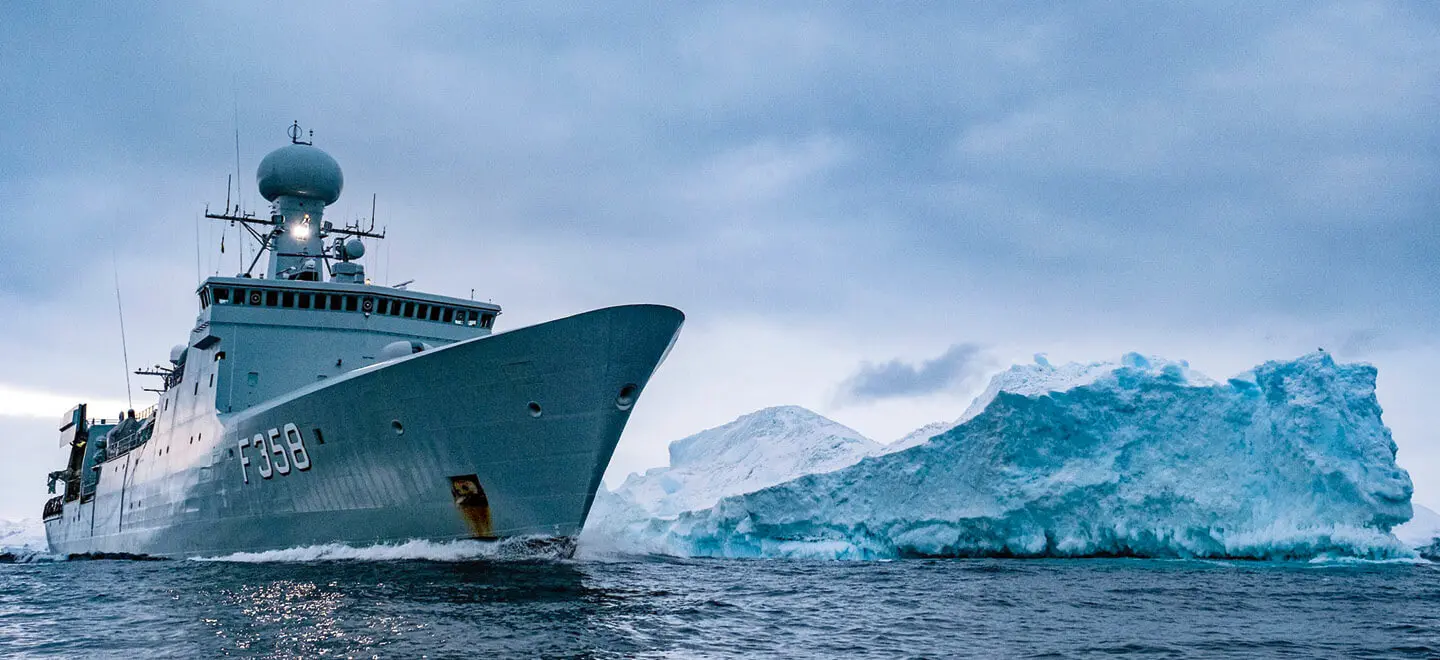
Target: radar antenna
point(295, 133)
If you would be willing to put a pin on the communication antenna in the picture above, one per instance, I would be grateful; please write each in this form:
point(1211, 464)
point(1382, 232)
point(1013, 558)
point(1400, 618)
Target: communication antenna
point(239, 208)
point(198, 276)
point(238, 205)
point(124, 345)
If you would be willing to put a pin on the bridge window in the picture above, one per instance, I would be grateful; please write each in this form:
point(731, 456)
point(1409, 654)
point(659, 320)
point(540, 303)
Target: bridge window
point(346, 302)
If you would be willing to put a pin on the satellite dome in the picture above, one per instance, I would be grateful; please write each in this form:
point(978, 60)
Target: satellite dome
point(300, 170)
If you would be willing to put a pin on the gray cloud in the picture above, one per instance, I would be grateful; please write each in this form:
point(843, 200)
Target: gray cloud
point(959, 365)
point(1033, 172)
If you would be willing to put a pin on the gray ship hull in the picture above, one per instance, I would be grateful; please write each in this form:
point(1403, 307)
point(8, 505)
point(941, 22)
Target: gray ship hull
point(499, 436)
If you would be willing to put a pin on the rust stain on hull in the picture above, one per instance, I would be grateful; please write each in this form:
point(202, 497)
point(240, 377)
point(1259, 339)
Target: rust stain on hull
point(472, 504)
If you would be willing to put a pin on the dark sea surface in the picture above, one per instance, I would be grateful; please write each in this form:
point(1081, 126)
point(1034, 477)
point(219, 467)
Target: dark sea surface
point(653, 607)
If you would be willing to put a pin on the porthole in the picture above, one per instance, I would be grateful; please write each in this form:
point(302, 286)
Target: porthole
point(626, 399)
point(398, 427)
point(534, 409)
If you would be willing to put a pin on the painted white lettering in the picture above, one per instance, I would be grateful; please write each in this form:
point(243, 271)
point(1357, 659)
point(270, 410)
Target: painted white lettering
point(244, 460)
point(266, 470)
point(296, 443)
point(282, 464)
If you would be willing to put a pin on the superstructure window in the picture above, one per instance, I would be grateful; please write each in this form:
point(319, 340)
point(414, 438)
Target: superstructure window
point(351, 303)
point(472, 318)
point(487, 320)
point(272, 298)
point(449, 315)
point(287, 299)
point(238, 295)
point(320, 301)
point(304, 301)
point(421, 310)
point(383, 307)
point(336, 301)
point(222, 296)
point(409, 310)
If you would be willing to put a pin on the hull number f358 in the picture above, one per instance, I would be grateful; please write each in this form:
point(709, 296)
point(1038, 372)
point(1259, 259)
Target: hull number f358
point(287, 447)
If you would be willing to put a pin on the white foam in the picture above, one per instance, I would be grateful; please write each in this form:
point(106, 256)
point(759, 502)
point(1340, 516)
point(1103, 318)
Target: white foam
point(512, 549)
point(28, 555)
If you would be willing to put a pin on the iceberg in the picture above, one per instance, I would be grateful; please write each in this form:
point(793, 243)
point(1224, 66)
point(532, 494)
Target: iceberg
point(22, 541)
point(756, 451)
point(1142, 458)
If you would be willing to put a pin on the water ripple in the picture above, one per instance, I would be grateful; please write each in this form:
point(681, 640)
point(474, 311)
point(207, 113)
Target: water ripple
point(330, 603)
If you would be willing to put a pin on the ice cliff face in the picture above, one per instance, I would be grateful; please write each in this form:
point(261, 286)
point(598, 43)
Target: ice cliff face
point(756, 451)
point(1042, 377)
point(1290, 460)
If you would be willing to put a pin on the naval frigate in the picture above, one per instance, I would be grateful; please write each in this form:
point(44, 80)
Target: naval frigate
point(310, 406)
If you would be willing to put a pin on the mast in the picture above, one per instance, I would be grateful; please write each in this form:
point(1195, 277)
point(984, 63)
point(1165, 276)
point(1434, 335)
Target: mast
point(300, 181)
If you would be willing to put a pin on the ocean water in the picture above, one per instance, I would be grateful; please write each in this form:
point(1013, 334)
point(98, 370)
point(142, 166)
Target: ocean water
point(316, 604)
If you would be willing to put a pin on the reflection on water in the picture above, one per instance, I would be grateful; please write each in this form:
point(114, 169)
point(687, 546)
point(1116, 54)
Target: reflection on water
point(339, 608)
point(666, 607)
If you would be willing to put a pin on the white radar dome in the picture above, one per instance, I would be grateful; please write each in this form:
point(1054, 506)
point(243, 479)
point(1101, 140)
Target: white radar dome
point(300, 170)
point(354, 249)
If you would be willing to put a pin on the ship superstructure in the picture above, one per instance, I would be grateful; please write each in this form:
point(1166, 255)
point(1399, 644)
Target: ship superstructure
point(311, 406)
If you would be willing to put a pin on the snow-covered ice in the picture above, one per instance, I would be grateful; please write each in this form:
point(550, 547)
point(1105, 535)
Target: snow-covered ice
point(27, 533)
point(1041, 377)
point(1422, 530)
point(23, 541)
point(918, 436)
point(1143, 457)
point(756, 451)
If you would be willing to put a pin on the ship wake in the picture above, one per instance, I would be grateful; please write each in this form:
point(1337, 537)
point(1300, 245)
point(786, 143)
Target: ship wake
point(526, 548)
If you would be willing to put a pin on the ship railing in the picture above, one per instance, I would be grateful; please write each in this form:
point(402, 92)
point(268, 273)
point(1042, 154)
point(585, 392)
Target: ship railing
point(132, 435)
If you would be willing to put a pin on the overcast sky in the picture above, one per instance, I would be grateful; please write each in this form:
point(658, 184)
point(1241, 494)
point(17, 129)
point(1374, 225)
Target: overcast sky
point(863, 208)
